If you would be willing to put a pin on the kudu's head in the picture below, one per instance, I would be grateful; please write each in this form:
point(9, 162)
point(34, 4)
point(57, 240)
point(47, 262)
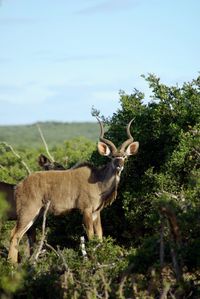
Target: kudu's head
point(117, 155)
point(46, 164)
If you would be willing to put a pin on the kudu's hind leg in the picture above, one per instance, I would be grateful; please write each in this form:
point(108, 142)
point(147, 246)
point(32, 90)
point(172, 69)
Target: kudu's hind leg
point(24, 222)
point(16, 235)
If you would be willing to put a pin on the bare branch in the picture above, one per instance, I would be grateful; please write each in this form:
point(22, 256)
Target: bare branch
point(175, 239)
point(45, 144)
point(51, 247)
point(174, 227)
point(17, 155)
point(100, 266)
point(43, 231)
point(63, 259)
point(106, 285)
point(124, 277)
point(162, 252)
point(159, 194)
point(165, 291)
point(177, 268)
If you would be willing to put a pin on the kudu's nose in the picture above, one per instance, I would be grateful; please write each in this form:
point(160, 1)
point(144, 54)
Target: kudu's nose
point(119, 164)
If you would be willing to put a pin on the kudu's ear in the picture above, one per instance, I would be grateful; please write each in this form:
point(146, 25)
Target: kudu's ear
point(103, 149)
point(132, 148)
point(42, 160)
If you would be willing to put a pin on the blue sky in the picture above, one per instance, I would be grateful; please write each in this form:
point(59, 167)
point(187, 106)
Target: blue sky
point(60, 58)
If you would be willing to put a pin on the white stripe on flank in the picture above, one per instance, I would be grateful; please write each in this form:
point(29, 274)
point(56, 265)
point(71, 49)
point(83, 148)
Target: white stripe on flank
point(94, 216)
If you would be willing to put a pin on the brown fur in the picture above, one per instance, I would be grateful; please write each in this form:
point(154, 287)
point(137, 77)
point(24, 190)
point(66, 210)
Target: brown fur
point(8, 190)
point(58, 187)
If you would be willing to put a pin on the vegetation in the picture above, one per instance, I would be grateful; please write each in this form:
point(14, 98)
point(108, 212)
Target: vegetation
point(151, 247)
point(27, 136)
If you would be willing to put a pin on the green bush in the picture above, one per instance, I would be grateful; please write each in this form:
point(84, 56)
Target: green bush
point(151, 242)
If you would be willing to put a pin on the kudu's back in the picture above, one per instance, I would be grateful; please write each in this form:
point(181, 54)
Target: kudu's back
point(66, 190)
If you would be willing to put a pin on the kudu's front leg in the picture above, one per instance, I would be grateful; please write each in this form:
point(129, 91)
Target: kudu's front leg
point(88, 222)
point(97, 225)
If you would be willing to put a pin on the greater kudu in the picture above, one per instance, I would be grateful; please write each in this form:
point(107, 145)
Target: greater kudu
point(7, 191)
point(83, 187)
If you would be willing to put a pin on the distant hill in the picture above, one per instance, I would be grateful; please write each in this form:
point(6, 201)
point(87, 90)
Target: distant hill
point(54, 132)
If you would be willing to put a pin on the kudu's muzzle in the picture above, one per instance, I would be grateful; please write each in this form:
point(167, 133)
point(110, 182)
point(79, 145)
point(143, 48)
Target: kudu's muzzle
point(118, 164)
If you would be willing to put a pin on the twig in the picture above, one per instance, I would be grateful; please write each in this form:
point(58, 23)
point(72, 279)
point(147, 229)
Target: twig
point(175, 239)
point(106, 285)
point(43, 231)
point(100, 266)
point(63, 259)
point(67, 279)
point(172, 295)
point(45, 144)
point(17, 155)
point(165, 291)
point(162, 251)
point(177, 268)
point(134, 287)
point(125, 275)
point(152, 282)
point(51, 247)
point(159, 194)
point(174, 227)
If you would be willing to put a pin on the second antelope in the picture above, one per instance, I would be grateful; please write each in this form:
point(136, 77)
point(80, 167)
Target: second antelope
point(83, 187)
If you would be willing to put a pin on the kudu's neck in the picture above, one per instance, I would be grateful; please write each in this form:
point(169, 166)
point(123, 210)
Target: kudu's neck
point(110, 172)
point(108, 183)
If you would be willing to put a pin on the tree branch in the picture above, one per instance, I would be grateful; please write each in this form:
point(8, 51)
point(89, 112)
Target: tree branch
point(17, 155)
point(165, 291)
point(43, 231)
point(175, 239)
point(45, 144)
point(124, 277)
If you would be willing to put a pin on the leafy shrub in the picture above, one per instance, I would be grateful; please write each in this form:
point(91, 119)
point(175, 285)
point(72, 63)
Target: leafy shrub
point(155, 220)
